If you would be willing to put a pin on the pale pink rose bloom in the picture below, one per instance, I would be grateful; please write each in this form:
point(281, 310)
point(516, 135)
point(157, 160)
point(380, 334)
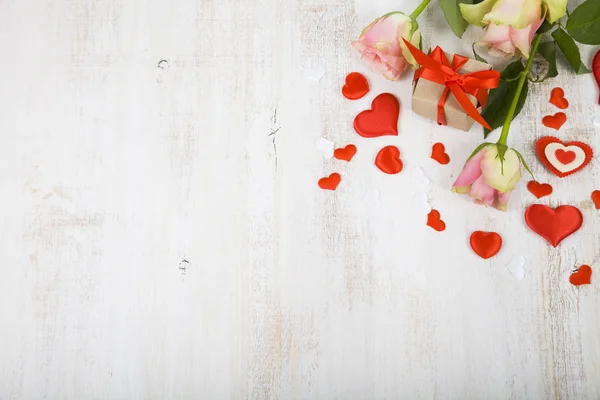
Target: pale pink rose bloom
point(381, 46)
point(487, 180)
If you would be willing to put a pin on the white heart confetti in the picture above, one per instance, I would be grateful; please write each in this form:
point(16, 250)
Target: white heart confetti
point(419, 176)
point(326, 147)
point(314, 74)
point(577, 160)
point(516, 266)
point(421, 203)
point(371, 198)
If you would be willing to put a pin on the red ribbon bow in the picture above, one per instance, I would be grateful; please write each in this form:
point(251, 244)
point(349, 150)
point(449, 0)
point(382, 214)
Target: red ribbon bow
point(437, 68)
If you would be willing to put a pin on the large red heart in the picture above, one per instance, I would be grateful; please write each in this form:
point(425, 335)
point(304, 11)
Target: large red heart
point(583, 276)
point(381, 119)
point(554, 225)
point(557, 97)
point(485, 244)
point(555, 121)
point(388, 160)
point(539, 190)
point(563, 158)
point(356, 86)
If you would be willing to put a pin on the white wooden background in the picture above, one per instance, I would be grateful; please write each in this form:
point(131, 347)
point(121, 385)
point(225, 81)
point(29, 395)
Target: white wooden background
point(157, 243)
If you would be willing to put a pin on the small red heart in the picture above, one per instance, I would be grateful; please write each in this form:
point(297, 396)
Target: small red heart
point(388, 160)
point(331, 182)
point(555, 121)
point(345, 153)
point(596, 198)
point(557, 97)
point(381, 119)
point(539, 190)
point(438, 153)
point(486, 244)
point(356, 86)
point(434, 220)
point(583, 276)
point(558, 157)
point(554, 225)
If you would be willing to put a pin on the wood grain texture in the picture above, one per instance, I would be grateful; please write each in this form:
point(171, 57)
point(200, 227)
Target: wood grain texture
point(163, 235)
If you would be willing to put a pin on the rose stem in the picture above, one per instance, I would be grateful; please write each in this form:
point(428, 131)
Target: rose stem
point(515, 101)
point(419, 9)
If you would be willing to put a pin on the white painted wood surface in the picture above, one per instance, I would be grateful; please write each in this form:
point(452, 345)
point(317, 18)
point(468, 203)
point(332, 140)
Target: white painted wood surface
point(158, 243)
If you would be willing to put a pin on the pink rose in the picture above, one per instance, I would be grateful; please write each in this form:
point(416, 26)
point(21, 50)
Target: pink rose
point(381, 47)
point(488, 180)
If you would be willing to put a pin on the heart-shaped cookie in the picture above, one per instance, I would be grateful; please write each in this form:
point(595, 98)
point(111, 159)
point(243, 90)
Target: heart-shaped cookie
point(381, 119)
point(596, 199)
point(555, 121)
point(554, 225)
point(582, 276)
point(563, 159)
point(557, 97)
point(356, 86)
point(331, 182)
point(388, 160)
point(539, 190)
point(345, 153)
point(438, 153)
point(485, 244)
point(434, 220)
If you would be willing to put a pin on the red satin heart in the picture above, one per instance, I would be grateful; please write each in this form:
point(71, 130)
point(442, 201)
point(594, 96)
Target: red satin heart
point(356, 86)
point(438, 153)
point(583, 276)
point(539, 190)
point(557, 97)
point(331, 182)
point(381, 119)
point(485, 244)
point(388, 160)
point(434, 220)
point(555, 121)
point(540, 149)
point(345, 153)
point(554, 225)
point(596, 198)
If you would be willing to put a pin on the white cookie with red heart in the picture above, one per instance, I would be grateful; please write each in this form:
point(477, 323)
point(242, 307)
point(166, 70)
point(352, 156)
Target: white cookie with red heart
point(561, 158)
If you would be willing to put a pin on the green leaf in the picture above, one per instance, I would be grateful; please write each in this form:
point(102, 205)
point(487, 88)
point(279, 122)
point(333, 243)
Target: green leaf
point(548, 51)
point(481, 146)
point(545, 27)
point(569, 48)
point(525, 164)
point(500, 99)
point(584, 23)
point(453, 15)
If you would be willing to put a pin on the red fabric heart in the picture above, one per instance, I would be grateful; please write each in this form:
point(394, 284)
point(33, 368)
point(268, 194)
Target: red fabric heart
point(345, 153)
point(583, 276)
point(356, 86)
point(486, 244)
point(539, 190)
point(596, 198)
point(381, 119)
point(540, 149)
point(555, 121)
point(557, 97)
point(554, 225)
point(434, 220)
point(388, 160)
point(331, 182)
point(438, 153)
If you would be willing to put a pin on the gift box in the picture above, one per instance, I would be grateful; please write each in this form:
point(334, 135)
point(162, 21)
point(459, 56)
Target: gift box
point(451, 89)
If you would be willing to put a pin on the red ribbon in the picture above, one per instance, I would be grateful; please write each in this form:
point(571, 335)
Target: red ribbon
point(438, 69)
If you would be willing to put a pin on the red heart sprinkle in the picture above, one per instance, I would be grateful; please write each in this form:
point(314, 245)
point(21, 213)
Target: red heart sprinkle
point(388, 160)
point(539, 190)
point(438, 153)
point(555, 121)
point(554, 225)
point(331, 182)
point(345, 153)
point(557, 97)
point(381, 119)
point(565, 157)
point(434, 220)
point(356, 86)
point(583, 276)
point(486, 244)
point(596, 198)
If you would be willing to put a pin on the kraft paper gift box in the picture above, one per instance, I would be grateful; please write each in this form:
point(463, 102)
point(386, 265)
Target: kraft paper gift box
point(427, 94)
